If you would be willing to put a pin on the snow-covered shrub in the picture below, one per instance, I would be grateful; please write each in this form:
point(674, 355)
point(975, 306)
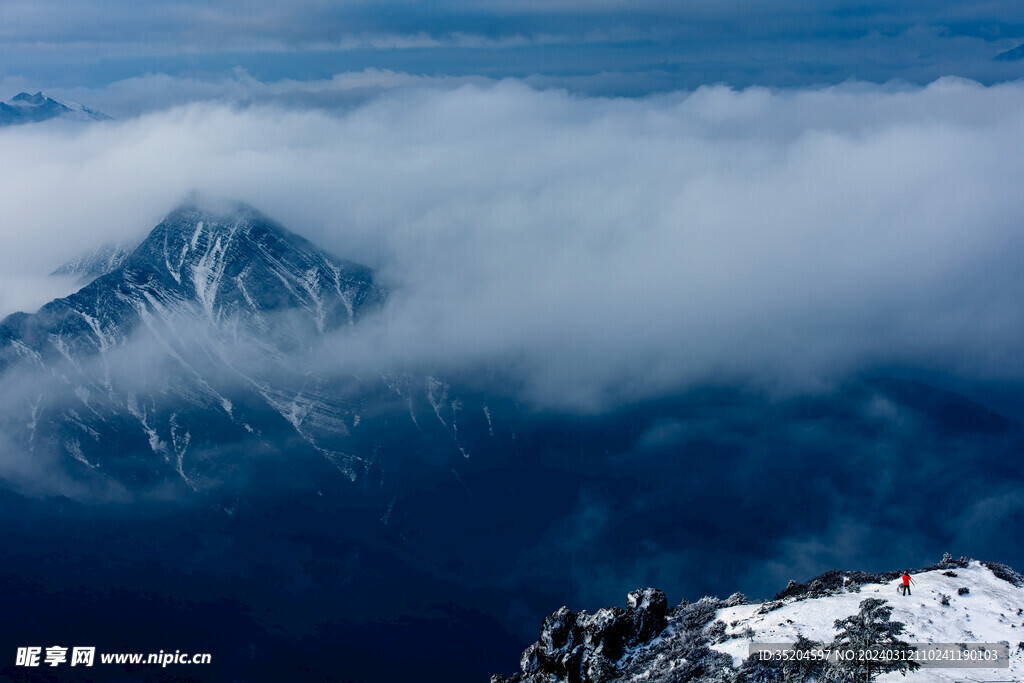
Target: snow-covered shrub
point(716, 632)
point(1005, 573)
point(735, 599)
point(695, 616)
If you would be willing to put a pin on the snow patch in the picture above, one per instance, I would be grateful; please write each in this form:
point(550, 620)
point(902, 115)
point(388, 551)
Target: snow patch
point(490, 426)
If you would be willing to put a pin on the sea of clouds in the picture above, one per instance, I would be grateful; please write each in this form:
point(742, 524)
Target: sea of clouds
point(603, 249)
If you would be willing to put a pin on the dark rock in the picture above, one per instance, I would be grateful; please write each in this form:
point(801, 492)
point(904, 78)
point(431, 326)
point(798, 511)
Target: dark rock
point(607, 631)
point(646, 610)
point(584, 648)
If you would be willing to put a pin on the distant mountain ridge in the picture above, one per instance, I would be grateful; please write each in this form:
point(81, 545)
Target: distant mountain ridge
point(26, 108)
point(1011, 55)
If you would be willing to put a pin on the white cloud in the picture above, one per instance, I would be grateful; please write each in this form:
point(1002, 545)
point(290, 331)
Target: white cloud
point(604, 248)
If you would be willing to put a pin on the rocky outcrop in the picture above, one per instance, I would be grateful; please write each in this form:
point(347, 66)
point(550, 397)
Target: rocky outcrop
point(615, 644)
point(580, 647)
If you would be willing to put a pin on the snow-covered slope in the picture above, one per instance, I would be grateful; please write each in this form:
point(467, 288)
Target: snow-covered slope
point(990, 612)
point(962, 602)
point(96, 262)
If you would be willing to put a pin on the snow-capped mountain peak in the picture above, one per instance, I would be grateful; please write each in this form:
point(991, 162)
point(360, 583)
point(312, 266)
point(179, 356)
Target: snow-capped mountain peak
point(238, 260)
point(212, 316)
point(233, 268)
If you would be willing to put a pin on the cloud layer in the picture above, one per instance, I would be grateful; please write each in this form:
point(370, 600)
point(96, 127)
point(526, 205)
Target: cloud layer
point(234, 23)
point(588, 46)
point(596, 249)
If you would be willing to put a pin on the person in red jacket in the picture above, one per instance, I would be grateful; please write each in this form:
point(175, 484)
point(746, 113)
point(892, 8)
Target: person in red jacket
point(906, 583)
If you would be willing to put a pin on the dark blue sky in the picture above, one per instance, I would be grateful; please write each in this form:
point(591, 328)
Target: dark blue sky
point(589, 46)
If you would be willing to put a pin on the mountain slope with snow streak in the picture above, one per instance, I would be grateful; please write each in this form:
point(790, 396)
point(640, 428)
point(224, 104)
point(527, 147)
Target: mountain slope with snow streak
point(95, 263)
point(194, 360)
point(193, 340)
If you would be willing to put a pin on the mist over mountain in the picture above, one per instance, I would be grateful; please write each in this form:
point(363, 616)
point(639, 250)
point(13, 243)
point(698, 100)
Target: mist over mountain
point(203, 321)
point(596, 278)
point(194, 386)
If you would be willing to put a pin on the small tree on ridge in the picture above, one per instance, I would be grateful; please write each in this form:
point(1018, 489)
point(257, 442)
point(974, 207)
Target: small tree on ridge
point(873, 638)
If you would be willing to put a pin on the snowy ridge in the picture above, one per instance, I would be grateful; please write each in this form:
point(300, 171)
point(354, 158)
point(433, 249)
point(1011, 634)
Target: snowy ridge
point(958, 602)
